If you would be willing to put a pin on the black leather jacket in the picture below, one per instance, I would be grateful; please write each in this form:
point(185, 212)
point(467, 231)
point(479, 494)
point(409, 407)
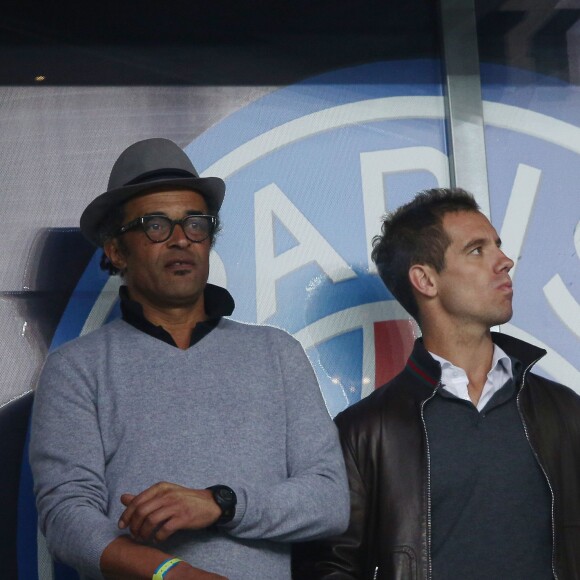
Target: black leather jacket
point(386, 451)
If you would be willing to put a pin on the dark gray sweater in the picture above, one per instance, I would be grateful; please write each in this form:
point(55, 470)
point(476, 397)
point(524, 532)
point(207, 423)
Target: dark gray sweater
point(491, 504)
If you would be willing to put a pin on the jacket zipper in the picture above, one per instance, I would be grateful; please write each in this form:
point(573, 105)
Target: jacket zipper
point(429, 563)
point(540, 464)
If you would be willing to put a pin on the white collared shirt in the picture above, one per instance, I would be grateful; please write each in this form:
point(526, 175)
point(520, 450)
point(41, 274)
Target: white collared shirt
point(454, 379)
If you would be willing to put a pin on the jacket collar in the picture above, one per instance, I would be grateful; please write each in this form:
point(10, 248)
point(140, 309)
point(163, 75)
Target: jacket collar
point(528, 354)
point(425, 368)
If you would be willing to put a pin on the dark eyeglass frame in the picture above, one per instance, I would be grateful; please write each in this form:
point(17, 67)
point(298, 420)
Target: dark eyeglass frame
point(141, 221)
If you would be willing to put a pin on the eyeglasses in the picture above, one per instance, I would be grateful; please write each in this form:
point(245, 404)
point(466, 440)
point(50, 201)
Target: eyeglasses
point(159, 228)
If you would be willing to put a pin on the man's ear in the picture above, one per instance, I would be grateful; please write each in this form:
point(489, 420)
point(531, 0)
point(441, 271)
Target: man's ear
point(422, 279)
point(115, 254)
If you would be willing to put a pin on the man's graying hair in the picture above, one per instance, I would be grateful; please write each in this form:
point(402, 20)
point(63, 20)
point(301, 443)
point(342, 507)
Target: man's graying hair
point(414, 234)
point(109, 228)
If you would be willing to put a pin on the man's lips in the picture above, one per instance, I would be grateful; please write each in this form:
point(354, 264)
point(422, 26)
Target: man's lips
point(179, 264)
point(506, 287)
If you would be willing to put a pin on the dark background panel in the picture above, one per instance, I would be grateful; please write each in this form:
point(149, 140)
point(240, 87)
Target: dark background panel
point(199, 43)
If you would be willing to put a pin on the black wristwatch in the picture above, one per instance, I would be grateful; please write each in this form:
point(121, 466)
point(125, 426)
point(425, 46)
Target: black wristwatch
point(226, 498)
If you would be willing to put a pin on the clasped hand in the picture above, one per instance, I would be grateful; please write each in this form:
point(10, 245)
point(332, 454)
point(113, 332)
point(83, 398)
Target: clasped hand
point(164, 508)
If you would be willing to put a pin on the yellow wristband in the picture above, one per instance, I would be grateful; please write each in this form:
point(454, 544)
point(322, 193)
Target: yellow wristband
point(164, 567)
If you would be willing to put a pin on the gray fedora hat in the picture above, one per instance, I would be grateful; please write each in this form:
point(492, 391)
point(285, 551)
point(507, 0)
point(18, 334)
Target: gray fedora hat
point(146, 166)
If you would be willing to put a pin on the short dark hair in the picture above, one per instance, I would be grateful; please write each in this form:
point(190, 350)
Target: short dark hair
point(414, 234)
point(109, 229)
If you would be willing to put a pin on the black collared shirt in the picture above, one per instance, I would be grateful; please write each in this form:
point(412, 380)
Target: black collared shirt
point(218, 302)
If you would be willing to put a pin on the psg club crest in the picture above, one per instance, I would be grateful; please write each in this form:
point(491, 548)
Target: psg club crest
point(310, 169)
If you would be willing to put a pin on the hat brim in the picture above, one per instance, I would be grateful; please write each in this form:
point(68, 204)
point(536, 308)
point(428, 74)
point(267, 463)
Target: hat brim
point(211, 188)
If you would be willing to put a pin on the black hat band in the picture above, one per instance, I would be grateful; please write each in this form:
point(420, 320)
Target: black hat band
point(160, 174)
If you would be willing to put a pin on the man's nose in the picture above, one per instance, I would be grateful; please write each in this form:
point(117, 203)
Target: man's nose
point(178, 236)
point(504, 262)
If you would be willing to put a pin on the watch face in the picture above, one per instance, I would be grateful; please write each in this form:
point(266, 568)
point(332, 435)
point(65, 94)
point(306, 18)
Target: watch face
point(226, 494)
point(226, 499)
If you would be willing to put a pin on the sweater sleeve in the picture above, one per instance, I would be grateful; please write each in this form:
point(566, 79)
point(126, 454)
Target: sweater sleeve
point(344, 556)
point(68, 465)
point(313, 501)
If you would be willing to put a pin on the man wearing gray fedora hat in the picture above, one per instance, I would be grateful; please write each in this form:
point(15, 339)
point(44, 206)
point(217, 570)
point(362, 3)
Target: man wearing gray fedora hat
point(195, 447)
